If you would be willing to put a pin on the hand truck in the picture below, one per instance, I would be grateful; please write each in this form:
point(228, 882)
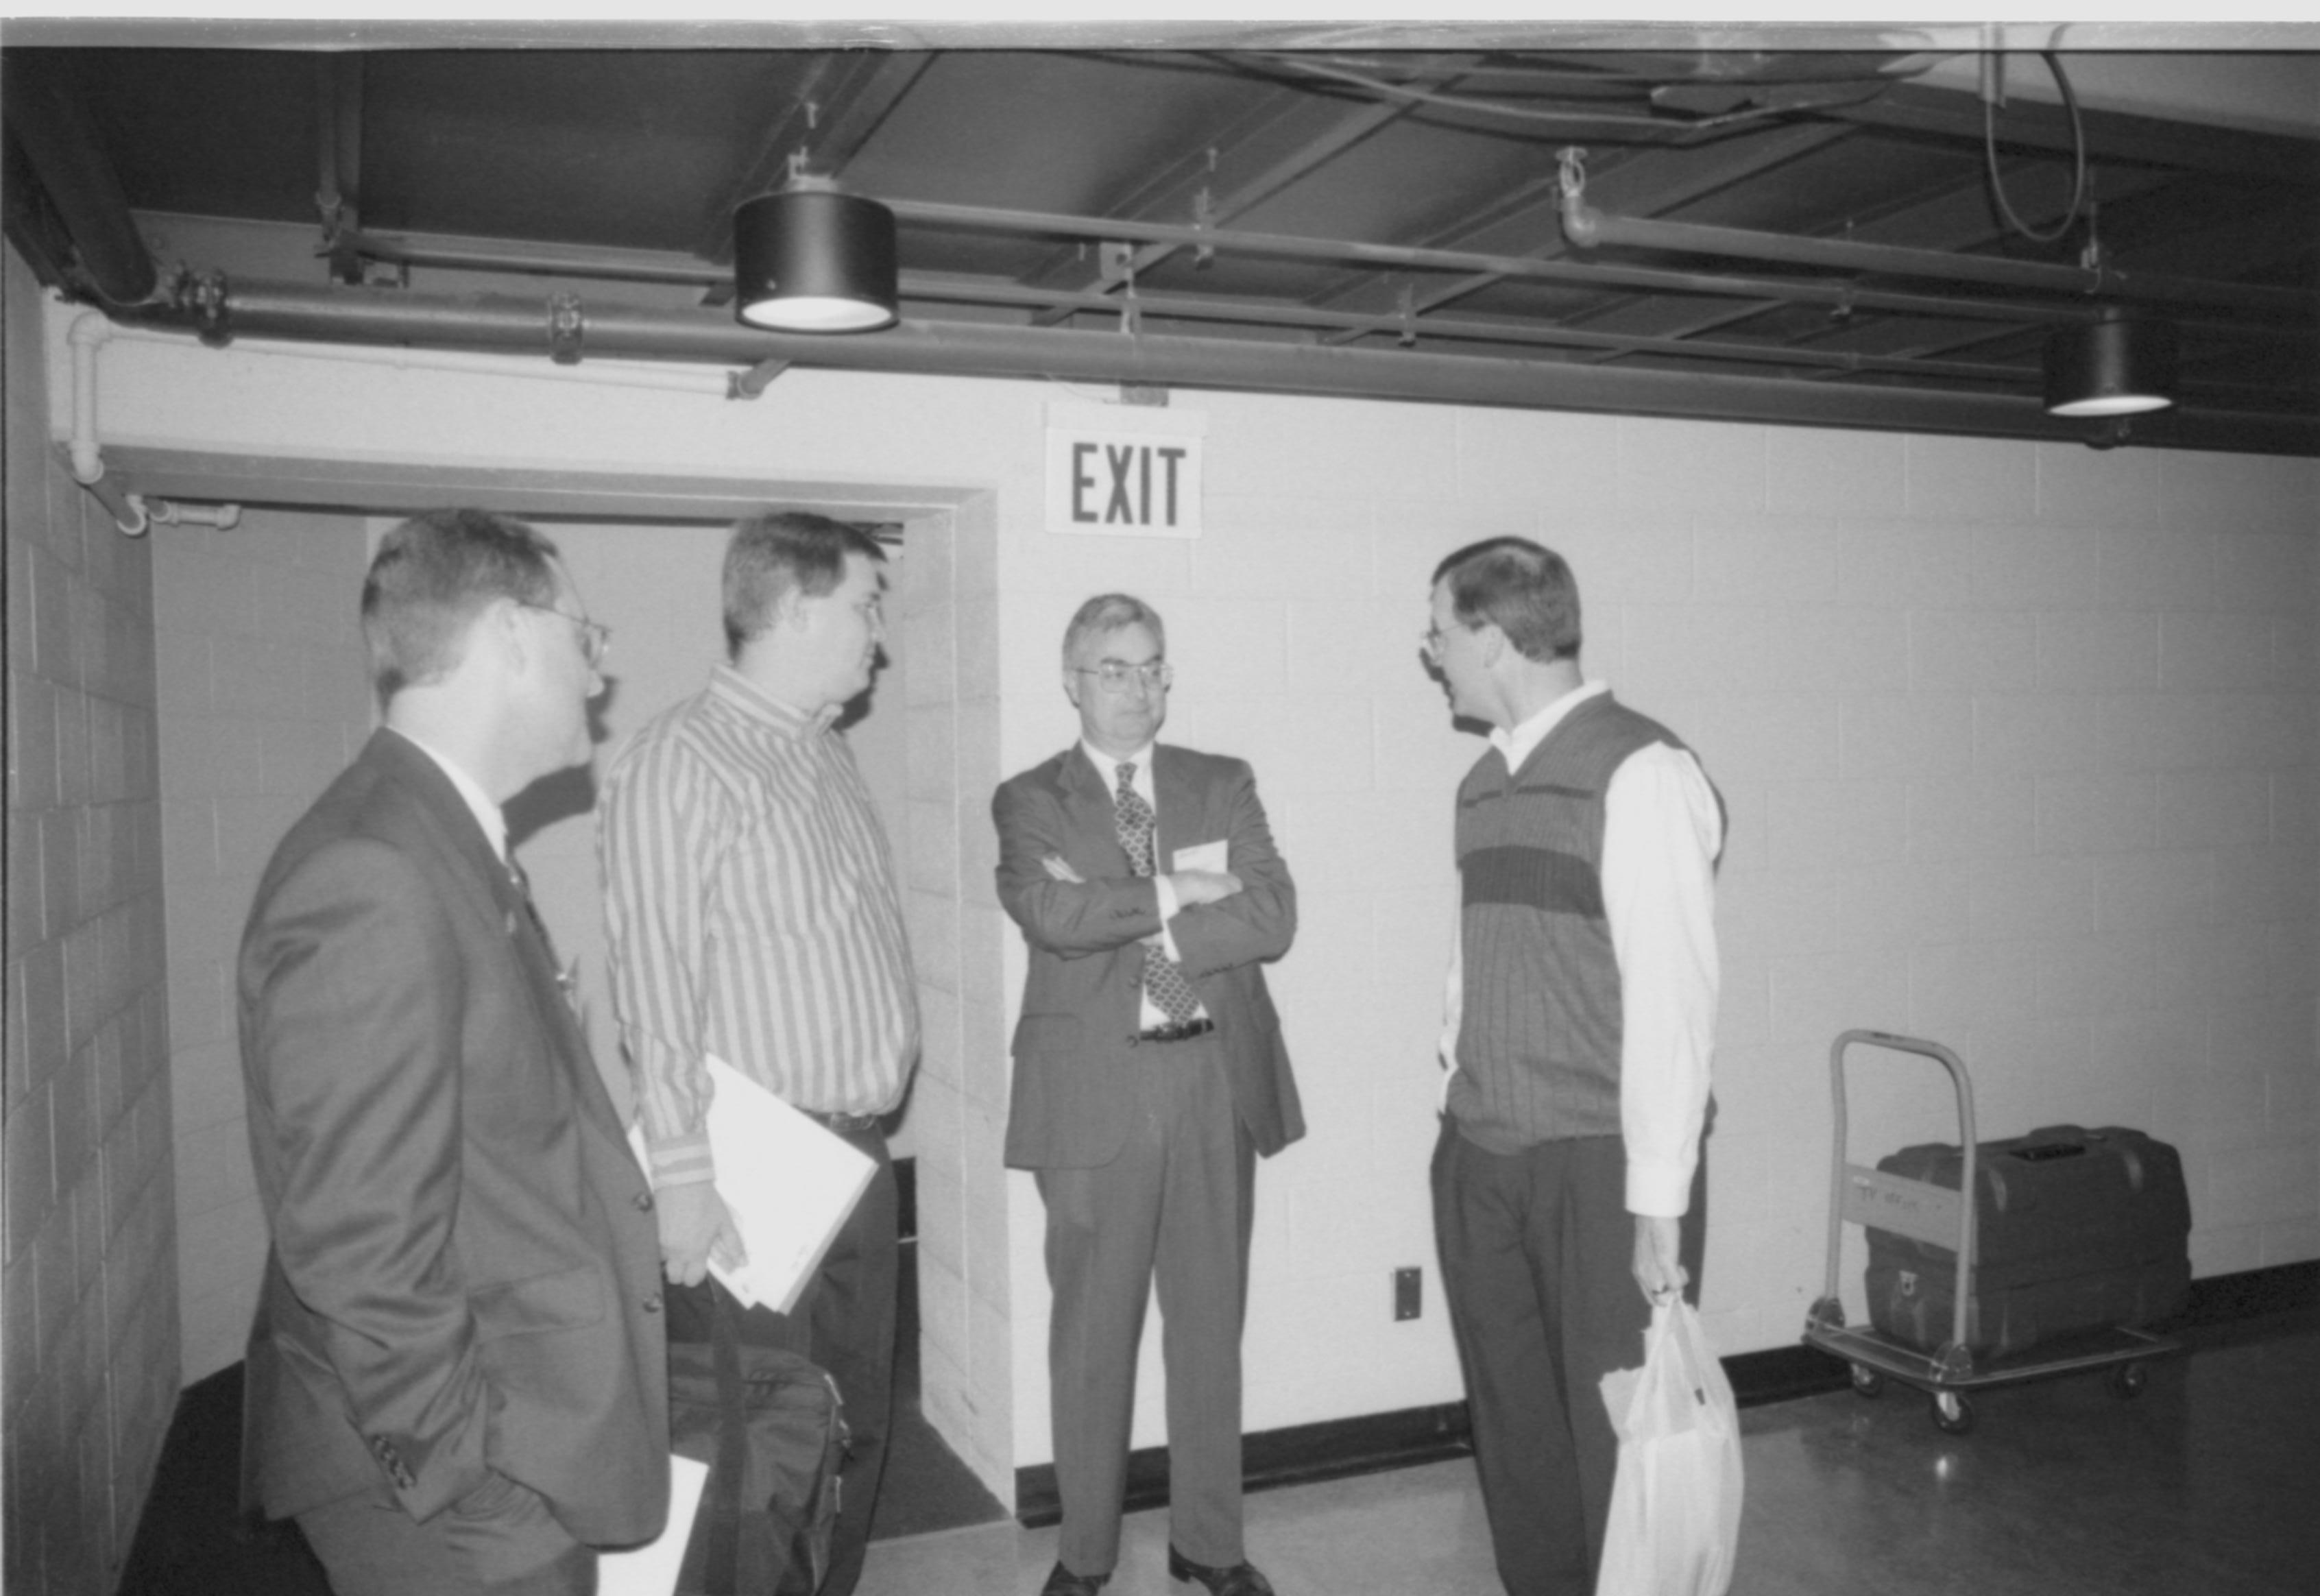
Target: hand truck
point(1926, 1212)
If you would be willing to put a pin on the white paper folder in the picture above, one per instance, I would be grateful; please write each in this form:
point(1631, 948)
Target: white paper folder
point(651, 1569)
point(789, 1181)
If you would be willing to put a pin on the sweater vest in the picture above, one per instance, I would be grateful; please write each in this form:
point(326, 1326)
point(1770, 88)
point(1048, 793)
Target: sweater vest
point(1539, 1030)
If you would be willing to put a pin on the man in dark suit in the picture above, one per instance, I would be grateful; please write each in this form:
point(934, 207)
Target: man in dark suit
point(1149, 1074)
point(457, 1381)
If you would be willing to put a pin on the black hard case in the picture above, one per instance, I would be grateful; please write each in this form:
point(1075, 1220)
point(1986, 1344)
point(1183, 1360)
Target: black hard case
point(2074, 1229)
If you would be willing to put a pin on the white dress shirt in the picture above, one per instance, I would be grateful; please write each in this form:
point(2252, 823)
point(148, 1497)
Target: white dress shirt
point(487, 812)
point(1150, 1014)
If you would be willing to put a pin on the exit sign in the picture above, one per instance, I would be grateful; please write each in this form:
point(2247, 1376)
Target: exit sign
point(1124, 470)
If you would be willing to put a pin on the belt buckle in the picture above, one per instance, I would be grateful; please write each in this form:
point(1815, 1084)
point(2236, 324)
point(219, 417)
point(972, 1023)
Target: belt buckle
point(1178, 1030)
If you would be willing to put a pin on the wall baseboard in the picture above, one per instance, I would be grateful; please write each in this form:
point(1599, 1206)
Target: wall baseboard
point(1302, 1454)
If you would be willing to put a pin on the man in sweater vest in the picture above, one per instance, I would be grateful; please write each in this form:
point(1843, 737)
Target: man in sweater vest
point(1580, 1012)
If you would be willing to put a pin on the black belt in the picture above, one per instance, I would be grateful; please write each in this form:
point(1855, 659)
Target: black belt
point(1182, 1031)
point(844, 1124)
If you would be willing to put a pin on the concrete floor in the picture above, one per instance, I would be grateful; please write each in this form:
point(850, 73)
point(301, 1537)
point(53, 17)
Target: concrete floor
point(2203, 1486)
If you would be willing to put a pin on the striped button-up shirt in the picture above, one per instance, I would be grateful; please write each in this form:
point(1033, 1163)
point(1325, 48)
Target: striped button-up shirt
point(751, 913)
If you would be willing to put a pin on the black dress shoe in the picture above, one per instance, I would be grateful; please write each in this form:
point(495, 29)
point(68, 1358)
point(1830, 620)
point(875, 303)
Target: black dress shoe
point(1063, 1582)
point(1240, 1580)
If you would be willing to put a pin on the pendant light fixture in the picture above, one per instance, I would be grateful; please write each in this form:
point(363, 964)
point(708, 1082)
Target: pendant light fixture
point(811, 259)
point(2123, 364)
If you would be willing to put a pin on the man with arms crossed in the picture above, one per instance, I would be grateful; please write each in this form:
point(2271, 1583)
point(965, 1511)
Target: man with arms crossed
point(751, 911)
point(1149, 1074)
point(456, 1378)
point(1581, 1010)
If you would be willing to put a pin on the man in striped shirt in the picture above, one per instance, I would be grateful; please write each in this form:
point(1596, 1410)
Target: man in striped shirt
point(752, 914)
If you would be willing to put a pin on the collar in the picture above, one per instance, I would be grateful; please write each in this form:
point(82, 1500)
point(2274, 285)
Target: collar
point(1520, 743)
point(1108, 767)
point(487, 812)
point(730, 688)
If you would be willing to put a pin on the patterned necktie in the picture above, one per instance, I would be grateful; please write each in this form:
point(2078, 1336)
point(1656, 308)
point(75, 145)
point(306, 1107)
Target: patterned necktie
point(1170, 992)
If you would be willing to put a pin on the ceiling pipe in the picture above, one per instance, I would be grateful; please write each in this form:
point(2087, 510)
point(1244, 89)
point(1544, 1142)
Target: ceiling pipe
point(969, 350)
point(1404, 257)
point(931, 286)
point(1589, 228)
point(61, 143)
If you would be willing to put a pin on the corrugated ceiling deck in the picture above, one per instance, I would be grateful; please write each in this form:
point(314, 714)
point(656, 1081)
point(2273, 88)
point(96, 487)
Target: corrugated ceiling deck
point(597, 158)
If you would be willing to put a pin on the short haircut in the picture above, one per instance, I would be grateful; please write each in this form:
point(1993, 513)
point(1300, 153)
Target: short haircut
point(432, 577)
point(779, 552)
point(1526, 590)
point(1108, 613)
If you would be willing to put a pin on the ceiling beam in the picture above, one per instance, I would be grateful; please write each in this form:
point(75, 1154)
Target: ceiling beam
point(1258, 174)
point(1953, 115)
point(834, 107)
point(1647, 182)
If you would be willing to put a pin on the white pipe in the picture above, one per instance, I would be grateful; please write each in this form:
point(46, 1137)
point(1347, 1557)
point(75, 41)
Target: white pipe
point(718, 382)
point(169, 512)
point(91, 332)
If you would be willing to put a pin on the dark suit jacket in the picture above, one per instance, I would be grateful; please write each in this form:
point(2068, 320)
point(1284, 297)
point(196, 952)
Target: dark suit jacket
point(465, 1271)
point(1074, 1047)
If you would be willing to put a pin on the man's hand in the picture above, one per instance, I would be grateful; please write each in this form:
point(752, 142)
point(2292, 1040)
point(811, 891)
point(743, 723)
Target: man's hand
point(695, 1225)
point(1658, 1268)
point(1203, 886)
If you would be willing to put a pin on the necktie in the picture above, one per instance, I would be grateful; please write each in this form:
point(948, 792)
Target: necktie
point(1170, 992)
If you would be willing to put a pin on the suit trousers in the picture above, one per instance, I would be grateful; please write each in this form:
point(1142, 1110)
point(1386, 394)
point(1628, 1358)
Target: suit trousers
point(1174, 1207)
point(845, 1322)
point(501, 1540)
point(1537, 1253)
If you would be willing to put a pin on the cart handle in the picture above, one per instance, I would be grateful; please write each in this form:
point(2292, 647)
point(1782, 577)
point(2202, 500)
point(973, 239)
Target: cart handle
point(1963, 1086)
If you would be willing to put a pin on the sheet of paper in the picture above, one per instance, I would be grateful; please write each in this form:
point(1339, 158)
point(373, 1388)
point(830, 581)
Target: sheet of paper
point(790, 1181)
point(1203, 856)
point(651, 1569)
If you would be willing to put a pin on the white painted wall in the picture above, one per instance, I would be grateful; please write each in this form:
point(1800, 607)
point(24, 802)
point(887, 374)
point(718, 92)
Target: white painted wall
point(2017, 742)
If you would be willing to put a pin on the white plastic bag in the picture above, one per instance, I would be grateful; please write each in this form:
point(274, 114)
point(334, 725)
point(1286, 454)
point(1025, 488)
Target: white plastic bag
point(1675, 1503)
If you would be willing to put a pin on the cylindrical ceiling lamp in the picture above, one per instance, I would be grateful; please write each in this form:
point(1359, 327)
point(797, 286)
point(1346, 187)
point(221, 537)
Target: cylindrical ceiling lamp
point(2121, 364)
point(811, 259)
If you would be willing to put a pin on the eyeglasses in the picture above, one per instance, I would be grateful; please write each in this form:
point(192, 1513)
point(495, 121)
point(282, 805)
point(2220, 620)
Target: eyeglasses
point(1153, 675)
point(595, 636)
point(1431, 641)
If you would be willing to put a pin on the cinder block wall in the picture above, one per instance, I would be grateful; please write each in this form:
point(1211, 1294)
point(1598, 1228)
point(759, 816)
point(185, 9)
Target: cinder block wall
point(2018, 740)
point(264, 697)
point(90, 1283)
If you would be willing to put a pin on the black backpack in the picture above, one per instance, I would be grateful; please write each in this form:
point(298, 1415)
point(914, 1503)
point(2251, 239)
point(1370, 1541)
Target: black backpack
point(772, 1429)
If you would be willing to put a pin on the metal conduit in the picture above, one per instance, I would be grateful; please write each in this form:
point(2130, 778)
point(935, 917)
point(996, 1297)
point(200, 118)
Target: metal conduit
point(928, 286)
point(1588, 227)
point(963, 349)
point(1843, 295)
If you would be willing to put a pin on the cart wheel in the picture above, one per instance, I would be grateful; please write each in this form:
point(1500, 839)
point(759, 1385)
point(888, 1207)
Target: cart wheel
point(1867, 1382)
point(1953, 1414)
point(2127, 1380)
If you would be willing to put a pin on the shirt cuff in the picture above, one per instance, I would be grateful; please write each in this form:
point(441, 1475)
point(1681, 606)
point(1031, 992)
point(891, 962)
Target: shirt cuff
point(682, 1163)
point(1658, 1190)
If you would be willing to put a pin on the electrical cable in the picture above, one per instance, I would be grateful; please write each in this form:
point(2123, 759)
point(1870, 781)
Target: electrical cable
point(2079, 160)
point(1670, 130)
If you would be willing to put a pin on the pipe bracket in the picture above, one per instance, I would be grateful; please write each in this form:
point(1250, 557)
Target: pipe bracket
point(208, 297)
point(568, 326)
point(1579, 218)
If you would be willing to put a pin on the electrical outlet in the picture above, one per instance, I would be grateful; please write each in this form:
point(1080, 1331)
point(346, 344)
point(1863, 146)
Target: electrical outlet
point(1407, 1293)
